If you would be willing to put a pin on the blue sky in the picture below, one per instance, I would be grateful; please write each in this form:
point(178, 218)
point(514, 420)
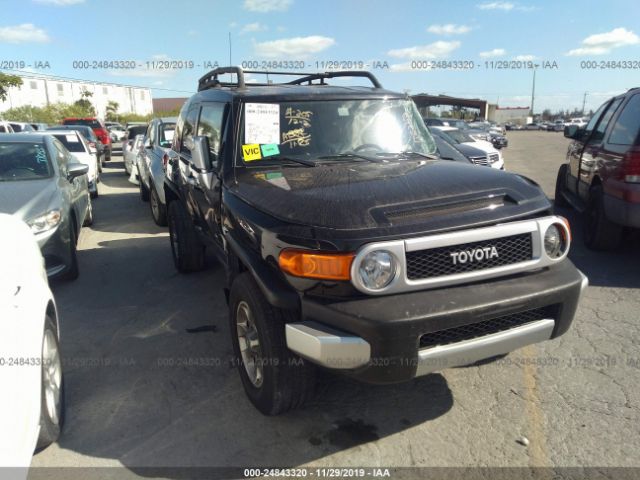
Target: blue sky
point(399, 32)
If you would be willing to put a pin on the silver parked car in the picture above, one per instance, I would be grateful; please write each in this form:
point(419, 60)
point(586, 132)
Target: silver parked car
point(44, 185)
point(152, 164)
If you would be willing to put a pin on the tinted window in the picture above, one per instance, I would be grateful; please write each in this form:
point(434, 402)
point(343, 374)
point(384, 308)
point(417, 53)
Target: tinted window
point(136, 130)
point(24, 161)
point(86, 131)
point(187, 130)
point(2, 129)
point(210, 126)
point(598, 133)
point(592, 123)
point(71, 142)
point(627, 127)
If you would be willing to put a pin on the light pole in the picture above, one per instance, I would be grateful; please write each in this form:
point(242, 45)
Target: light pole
point(584, 100)
point(533, 91)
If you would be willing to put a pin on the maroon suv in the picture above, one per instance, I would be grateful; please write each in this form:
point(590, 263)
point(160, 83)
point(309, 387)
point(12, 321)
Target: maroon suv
point(602, 176)
point(98, 128)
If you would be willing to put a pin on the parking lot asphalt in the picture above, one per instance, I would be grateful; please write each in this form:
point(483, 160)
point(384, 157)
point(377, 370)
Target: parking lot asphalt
point(149, 384)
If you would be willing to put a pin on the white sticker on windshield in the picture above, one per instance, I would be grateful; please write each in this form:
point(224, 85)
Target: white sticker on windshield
point(343, 111)
point(262, 123)
point(71, 138)
point(168, 135)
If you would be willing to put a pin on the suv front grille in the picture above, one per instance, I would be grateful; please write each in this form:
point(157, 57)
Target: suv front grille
point(487, 327)
point(480, 161)
point(438, 262)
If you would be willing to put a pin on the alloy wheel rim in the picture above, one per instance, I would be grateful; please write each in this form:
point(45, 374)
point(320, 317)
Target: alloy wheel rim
point(51, 376)
point(249, 343)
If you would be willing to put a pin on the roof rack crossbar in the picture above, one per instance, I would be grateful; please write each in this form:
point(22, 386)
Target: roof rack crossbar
point(210, 79)
point(322, 76)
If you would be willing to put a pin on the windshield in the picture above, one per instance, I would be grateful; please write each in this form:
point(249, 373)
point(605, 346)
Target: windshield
point(136, 130)
point(24, 161)
point(457, 136)
point(86, 131)
point(351, 129)
point(71, 141)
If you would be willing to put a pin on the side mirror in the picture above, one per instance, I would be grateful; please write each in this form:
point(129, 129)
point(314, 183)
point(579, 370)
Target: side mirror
point(571, 131)
point(200, 153)
point(77, 170)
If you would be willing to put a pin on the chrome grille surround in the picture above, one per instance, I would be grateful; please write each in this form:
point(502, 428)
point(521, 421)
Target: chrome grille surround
point(399, 248)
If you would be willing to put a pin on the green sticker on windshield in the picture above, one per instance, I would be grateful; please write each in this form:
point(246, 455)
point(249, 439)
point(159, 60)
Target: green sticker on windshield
point(270, 149)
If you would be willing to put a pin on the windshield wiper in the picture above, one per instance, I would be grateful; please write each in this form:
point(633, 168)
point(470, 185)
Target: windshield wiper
point(409, 153)
point(351, 156)
point(307, 163)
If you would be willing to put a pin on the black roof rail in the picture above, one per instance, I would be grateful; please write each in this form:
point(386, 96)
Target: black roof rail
point(210, 79)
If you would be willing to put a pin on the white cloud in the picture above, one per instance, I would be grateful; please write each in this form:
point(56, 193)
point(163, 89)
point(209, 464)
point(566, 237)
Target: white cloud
point(448, 29)
point(496, 52)
point(525, 58)
point(59, 3)
point(433, 50)
point(297, 47)
point(603, 43)
point(506, 6)
point(23, 33)
point(253, 27)
point(264, 6)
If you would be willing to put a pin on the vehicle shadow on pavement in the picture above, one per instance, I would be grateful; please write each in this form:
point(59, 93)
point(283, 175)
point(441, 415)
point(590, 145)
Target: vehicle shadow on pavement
point(150, 382)
point(616, 269)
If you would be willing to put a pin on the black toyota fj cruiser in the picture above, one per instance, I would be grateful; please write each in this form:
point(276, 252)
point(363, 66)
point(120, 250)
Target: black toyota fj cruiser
point(349, 244)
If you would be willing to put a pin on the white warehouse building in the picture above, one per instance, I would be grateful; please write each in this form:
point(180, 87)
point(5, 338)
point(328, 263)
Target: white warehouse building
point(40, 91)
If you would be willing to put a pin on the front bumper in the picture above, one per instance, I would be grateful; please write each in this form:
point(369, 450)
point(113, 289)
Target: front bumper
point(377, 339)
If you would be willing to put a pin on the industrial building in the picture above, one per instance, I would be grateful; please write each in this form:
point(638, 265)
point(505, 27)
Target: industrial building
point(40, 91)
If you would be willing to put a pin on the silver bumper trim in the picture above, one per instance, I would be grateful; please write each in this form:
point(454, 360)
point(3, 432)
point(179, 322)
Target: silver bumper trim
point(327, 347)
point(470, 351)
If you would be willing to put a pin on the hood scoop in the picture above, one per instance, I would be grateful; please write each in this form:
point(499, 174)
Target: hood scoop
point(407, 214)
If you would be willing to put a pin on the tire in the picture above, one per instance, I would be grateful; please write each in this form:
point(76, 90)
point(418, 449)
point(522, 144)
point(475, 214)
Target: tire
point(52, 404)
point(88, 219)
point(600, 233)
point(186, 248)
point(73, 271)
point(158, 209)
point(286, 381)
point(144, 191)
point(561, 184)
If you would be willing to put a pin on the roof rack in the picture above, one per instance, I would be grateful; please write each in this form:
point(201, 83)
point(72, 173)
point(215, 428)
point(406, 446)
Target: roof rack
point(210, 80)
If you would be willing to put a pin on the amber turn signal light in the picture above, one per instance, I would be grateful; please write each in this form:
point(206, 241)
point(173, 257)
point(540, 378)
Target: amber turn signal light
point(321, 265)
point(566, 224)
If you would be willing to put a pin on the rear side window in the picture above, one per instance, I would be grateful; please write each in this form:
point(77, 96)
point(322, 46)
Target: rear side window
point(627, 126)
point(598, 133)
point(210, 126)
point(592, 123)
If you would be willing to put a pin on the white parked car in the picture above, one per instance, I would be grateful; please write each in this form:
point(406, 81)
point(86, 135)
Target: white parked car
point(79, 147)
point(130, 156)
point(494, 157)
point(32, 400)
point(116, 133)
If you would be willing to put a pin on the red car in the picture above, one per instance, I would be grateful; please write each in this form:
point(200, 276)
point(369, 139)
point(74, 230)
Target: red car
point(602, 176)
point(98, 128)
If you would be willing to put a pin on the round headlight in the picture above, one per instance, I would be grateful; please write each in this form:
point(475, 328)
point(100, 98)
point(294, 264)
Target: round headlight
point(377, 269)
point(554, 242)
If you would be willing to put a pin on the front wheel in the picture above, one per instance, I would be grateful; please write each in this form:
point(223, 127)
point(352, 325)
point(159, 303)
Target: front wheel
point(144, 191)
point(52, 388)
point(274, 379)
point(158, 209)
point(600, 233)
point(186, 248)
point(561, 183)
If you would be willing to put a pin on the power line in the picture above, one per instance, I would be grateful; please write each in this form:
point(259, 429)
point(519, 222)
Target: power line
point(58, 77)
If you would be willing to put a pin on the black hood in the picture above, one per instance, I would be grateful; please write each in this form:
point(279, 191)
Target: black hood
point(438, 194)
